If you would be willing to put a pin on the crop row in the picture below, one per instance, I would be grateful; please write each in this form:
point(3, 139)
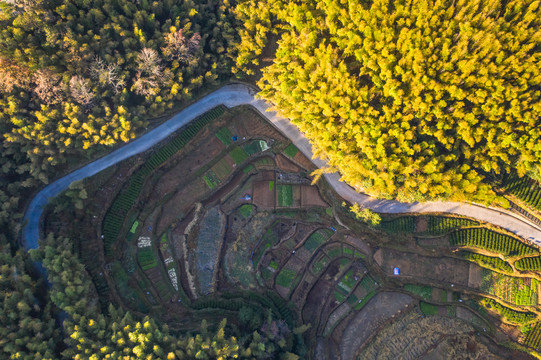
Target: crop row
point(517, 291)
point(519, 317)
point(488, 261)
point(533, 263)
point(269, 300)
point(437, 225)
point(490, 240)
point(114, 218)
point(533, 339)
point(524, 188)
point(403, 224)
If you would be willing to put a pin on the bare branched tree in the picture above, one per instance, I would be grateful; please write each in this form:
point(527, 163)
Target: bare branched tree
point(179, 47)
point(80, 90)
point(48, 87)
point(12, 76)
point(145, 85)
point(149, 62)
point(150, 75)
point(107, 74)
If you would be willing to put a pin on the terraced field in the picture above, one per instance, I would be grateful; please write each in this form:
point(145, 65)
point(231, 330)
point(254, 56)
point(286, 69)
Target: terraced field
point(229, 223)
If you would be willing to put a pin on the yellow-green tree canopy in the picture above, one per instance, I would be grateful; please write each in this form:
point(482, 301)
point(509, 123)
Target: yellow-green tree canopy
point(413, 99)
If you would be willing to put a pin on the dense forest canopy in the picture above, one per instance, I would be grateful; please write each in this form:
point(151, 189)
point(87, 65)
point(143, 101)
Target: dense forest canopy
point(416, 99)
point(78, 76)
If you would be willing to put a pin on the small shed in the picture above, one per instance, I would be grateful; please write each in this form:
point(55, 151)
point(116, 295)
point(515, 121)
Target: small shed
point(396, 271)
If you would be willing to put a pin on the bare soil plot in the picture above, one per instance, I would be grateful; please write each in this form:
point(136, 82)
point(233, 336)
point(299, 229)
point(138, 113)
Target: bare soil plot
point(264, 196)
point(337, 315)
point(442, 241)
point(358, 244)
point(441, 269)
point(199, 153)
point(315, 300)
point(248, 123)
point(421, 224)
point(379, 309)
point(299, 295)
point(475, 276)
point(303, 161)
point(286, 165)
point(310, 197)
point(181, 203)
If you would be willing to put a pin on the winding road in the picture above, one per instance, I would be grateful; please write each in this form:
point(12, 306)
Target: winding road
point(240, 94)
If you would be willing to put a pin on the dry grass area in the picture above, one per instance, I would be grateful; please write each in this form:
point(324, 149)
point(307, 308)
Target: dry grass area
point(379, 310)
point(412, 337)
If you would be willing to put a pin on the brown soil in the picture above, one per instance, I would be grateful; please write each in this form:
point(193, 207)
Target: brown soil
point(317, 297)
point(304, 162)
point(181, 203)
point(223, 191)
point(358, 244)
point(252, 126)
point(286, 165)
point(475, 276)
point(262, 196)
point(421, 224)
point(442, 241)
point(193, 158)
point(302, 289)
point(310, 197)
point(437, 269)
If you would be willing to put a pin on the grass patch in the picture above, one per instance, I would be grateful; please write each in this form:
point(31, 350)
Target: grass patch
point(334, 252)
point(271, 185)
point(424, 292)
point(352, 300)
point(328, 211)
point(314, 241)
point(339, 296)
point(246, 210)
point(163, 239)
point(225, 136)
point(248, 169)
point(444, 296)
point(349, 279)
point(211, 179)
point(255, 147)
point(273, 264)
point(319, 265)
point(428, 309)
point(133, 228)
point(266, 274)
point(364, 300)
point(222, 169)
point(285, 277)
point(291, 151)
point(238, 155)
point(285, 195)
point(146, 258)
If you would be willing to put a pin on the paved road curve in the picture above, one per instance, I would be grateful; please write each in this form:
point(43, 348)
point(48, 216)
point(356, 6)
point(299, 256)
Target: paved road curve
point(235, 95)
